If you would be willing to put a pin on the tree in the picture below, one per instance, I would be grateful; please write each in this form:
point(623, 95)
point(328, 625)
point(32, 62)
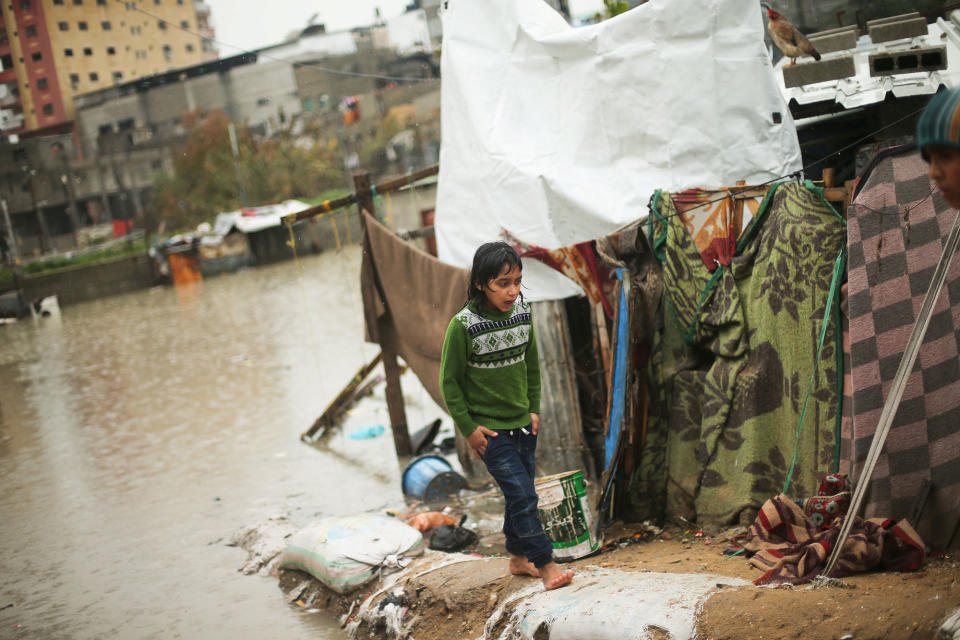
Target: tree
point(204, 180)
point(615, 7)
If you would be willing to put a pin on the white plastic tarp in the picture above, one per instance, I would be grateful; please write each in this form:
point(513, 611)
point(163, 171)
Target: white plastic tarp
point(561, 134)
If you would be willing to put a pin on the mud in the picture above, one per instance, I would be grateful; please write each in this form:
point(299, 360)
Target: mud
point(438, 601)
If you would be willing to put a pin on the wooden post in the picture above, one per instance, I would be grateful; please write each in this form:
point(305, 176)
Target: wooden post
point(398, 415)
point(391, 370)
point(736, 224)
point(828, 177)
point(361, 188)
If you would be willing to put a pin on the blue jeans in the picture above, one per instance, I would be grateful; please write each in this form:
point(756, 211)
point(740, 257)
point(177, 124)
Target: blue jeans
point(510, 460)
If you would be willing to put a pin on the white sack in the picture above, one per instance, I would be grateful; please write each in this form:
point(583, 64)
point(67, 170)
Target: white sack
point(561, 134)
point(348, 552)
point(608, 604)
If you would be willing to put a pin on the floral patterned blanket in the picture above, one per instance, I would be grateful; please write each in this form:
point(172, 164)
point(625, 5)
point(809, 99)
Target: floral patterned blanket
point(730, 369)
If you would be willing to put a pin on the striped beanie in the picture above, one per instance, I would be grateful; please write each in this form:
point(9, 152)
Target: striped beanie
point(939, 123)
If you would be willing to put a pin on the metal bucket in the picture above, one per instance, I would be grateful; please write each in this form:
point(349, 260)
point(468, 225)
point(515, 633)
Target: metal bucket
point(566, 515)
point(430, 478)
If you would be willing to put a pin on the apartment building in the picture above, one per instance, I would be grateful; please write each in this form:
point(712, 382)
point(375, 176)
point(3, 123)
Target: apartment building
point(53, 50)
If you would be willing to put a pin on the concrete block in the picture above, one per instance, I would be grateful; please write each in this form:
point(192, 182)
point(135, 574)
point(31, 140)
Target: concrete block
point(835, 39)
point(906, 28)
point(832, 69)
point(889, 19)
point(891, 63)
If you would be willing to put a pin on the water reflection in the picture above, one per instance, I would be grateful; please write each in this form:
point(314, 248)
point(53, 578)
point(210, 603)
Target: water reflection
point(137, 433)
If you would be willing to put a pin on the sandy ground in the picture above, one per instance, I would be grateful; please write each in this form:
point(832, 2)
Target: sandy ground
point(451, 603)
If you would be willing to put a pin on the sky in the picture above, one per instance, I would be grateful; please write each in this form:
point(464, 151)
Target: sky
point(251, 24)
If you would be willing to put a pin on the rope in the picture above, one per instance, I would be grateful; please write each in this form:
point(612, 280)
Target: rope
point(839, 266)
point(336, 233)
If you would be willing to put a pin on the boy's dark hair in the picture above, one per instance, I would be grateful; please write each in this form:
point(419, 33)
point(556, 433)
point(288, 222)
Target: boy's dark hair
point(488, 262)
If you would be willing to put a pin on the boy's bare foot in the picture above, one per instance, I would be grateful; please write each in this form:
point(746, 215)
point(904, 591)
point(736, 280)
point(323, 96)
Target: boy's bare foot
point(553, 577)
point(520, 566)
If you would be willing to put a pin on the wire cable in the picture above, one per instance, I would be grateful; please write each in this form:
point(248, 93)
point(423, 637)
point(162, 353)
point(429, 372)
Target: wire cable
point(803, 169)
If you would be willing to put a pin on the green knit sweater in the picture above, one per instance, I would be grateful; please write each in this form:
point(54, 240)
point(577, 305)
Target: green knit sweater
point(490, 369)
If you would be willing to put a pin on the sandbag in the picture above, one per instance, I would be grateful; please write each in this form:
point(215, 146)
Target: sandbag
point(345, 553)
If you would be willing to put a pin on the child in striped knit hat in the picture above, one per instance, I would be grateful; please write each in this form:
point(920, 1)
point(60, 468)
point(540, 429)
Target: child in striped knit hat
point(490, 380)
point(938, 138)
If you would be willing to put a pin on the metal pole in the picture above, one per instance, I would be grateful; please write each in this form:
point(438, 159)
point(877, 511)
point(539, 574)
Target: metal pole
point(14, 254)
point(236, 162)
point(45, 240)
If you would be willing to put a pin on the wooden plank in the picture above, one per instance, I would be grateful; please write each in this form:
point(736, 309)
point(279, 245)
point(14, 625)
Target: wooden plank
point(385, 187)
point(333, 411)
point(391, 369)
point(561, 446)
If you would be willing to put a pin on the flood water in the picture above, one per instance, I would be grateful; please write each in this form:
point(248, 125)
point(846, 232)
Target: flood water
point(138, 433)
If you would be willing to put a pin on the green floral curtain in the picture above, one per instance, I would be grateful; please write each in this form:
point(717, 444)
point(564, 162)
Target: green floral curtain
point(731, 368)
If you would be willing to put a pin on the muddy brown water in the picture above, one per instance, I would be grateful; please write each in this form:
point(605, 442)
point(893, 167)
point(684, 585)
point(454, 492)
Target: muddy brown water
point(138, 433)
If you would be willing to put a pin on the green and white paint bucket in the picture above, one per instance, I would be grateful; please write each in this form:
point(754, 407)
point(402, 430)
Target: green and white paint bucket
point(566, 516)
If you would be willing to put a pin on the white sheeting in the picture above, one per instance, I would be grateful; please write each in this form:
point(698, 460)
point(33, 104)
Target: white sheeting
point(608, 604)
point(561, 134)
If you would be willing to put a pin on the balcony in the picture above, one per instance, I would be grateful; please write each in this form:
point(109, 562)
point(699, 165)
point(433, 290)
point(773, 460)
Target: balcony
point(10, 121)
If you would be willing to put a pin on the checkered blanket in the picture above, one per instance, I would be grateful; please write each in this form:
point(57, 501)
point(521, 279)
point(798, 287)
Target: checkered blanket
point(896, 231)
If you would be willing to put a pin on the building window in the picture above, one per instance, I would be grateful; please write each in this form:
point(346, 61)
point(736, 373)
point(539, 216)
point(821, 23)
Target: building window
point(36, 56)
point(68, 52)
point(74, 80)
point(87, 51)
point(111, 51)
point(82, 25)
point(25, 5)
point(184, 24)
point(63, 26)
point(41, 83)
point(47, 109)
point(102, 3)
point(77, 2)
point(117, 76)
point(189, 47)
point(57, 1)
point(167, 51)
point(94, 76)
point(31, 31)
point(105, 25)
point(162, 25)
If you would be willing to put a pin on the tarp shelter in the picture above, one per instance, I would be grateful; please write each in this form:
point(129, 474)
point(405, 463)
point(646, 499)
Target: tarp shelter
point(264, 229)
point(561, 135)
point(253, 219)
